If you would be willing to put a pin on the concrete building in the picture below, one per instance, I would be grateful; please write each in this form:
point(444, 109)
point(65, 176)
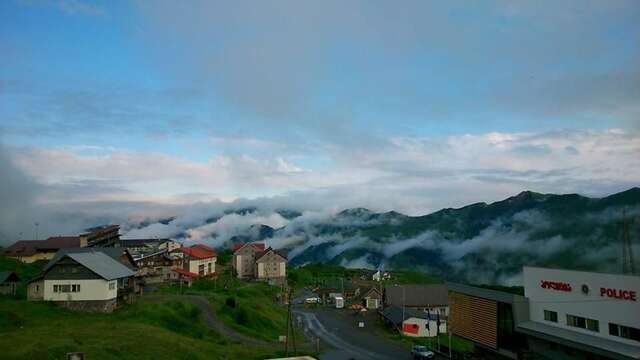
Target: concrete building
point(84, 280)
point(8, 283)
point(244, 259)
point(581, 315)
point(253, 261)
point(271, 266)
point(101, 236)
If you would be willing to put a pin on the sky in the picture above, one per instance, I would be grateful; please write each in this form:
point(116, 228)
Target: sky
point(137, 108)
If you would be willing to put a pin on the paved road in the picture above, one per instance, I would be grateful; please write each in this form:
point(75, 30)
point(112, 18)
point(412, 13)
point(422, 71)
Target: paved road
point(339, 330)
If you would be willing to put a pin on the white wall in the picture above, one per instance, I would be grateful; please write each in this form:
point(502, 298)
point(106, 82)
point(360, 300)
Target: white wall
point(94, 289)
point(195, 263)
point(422, 327)
point(590, 305)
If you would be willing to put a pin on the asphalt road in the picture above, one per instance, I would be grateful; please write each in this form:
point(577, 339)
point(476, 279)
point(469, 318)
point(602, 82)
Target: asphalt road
point(338, 329)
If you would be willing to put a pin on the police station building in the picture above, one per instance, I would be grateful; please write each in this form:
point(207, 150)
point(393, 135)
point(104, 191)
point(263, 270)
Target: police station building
point(581, 315)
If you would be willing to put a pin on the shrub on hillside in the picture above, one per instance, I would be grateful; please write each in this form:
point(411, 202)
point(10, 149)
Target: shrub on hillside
point(231, 302)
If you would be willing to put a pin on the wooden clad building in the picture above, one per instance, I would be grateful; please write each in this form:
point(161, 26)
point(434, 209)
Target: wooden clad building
point(488, 318)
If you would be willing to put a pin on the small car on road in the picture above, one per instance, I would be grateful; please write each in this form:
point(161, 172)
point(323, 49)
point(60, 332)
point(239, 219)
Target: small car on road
point(421, 352)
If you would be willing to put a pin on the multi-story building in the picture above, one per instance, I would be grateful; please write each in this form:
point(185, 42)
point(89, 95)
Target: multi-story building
point(197, 261)
point(253, 261)
point(582, 315)
point(101, 236)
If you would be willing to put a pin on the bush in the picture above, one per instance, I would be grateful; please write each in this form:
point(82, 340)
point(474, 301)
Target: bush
point(231, 302)
point(242, 317)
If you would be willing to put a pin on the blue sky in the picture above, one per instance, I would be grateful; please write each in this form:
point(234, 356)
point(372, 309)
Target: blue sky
point(417, 101)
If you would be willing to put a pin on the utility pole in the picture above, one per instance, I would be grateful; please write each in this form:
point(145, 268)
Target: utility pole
point(628, 263)
point(286, 337)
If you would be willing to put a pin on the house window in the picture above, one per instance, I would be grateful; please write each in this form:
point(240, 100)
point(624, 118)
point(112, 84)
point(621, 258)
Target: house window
point(209, 268)
point(56, 288)
point(626, 332)
point(75, 288)
point(201, 269)
point(551, 316)
point(583, 323)
point(112, 285)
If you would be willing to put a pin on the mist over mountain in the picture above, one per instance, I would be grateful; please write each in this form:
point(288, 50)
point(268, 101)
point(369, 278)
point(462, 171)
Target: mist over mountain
point(480, 242)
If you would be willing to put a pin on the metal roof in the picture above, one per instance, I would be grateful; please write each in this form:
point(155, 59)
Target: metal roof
point(494, 295)
point(98, 262)
point(113, 252)
point(417, 295)
point(605, 347)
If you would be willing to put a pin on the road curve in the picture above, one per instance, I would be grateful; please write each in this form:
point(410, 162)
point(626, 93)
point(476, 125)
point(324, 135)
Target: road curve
point(315, 326)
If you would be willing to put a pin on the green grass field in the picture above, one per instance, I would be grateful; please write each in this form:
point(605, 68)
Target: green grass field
point(144, 330)
point(250, 308)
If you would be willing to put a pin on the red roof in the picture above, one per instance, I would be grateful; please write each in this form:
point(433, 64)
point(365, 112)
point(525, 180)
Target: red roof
point(199, 251)
point(31, 247)
point(257, 246)
point(186, 273)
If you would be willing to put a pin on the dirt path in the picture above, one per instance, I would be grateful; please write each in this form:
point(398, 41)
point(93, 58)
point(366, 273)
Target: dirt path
point(210, 319)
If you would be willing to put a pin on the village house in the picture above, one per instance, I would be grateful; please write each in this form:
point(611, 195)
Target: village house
point(197, 261)
point(29, 251)
point(433, 298)
point(8, 283)
point(146, 246)
point(253, 261)
point(159, 266)
point(271, 266)
point(371, 298)
point(244, 259)
point(85, 279)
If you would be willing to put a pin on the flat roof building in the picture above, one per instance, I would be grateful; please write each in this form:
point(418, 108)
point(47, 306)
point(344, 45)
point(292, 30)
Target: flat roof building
point(581, 315)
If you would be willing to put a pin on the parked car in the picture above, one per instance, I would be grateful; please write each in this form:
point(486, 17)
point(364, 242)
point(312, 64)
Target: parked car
point(313, 300)
point(421, 352)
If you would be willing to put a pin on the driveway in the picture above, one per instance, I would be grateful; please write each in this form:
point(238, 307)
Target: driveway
point(339, 330)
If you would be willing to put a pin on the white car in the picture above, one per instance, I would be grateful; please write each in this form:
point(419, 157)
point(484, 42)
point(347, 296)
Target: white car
point(421, 352)
point(312, 300)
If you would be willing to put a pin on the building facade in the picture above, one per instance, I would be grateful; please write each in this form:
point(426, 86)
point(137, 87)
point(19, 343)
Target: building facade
point(271, 265)
point(84, 280)
point(488, 318)
point(582, 315)
point(244, 259)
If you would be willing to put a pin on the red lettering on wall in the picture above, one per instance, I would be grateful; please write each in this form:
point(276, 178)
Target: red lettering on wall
point(555, 285)
point(618, 294)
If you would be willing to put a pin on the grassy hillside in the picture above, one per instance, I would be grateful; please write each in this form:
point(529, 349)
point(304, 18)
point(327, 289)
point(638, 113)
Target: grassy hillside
point(145, 330)
point(249, 308)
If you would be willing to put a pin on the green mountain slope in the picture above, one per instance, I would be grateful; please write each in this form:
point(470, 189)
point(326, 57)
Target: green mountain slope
point(479, 242)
